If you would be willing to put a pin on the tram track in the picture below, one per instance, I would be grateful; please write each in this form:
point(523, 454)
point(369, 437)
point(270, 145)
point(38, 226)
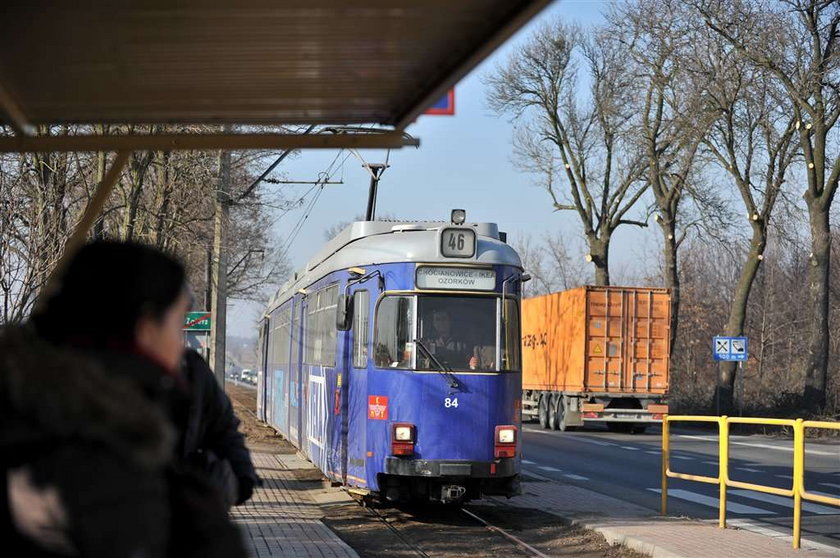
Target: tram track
point(389, 517)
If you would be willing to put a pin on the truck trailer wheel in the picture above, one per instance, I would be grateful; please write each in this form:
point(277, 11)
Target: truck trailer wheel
point(542, 410)
point(554, 410)
point(561, 415)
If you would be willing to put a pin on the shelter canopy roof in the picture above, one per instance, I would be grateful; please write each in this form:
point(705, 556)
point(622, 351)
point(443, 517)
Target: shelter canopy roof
point(241, 62)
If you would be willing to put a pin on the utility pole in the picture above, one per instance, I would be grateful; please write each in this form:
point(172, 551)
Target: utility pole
point(218, 307)
point(376, 170)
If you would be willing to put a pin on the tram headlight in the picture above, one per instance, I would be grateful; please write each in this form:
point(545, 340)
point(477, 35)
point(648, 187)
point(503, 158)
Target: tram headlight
point(506, 435)
point(403, 434)
point(505, 441)
point(459, 216)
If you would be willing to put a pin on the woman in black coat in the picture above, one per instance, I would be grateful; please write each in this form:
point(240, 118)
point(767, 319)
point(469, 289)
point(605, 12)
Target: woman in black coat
point(211, 439)
point(117, 316)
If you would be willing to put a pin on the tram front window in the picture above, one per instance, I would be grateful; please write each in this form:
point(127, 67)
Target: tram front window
point(460, 333)
point(455, 333)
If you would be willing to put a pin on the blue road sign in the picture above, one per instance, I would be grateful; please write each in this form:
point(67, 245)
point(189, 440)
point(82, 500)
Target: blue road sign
point(730, 348)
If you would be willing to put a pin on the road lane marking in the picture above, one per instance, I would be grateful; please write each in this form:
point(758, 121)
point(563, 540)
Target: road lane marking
point(755, 445)
point(788, 477)
point(784, 502)
point(654, 452)
point(682, 458)
point(715, 463)
point(631, 448)
point(552, 469)
point(576, 477)
point(526, 462)
point(747, 469)
point(596, 442)
point(713, 502)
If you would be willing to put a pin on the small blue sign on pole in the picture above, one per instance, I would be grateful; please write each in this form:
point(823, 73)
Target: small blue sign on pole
point(730, 348)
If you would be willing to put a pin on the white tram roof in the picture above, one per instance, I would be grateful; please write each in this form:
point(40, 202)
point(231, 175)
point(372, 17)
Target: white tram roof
point(366, 243)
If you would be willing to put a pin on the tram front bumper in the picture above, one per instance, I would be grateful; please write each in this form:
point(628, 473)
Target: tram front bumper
point(450, 468)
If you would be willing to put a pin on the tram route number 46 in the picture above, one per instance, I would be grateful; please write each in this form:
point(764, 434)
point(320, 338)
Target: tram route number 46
point(457, 241)
point(450, 402)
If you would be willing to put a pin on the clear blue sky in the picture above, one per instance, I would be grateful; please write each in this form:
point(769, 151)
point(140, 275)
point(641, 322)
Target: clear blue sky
point(464, 161)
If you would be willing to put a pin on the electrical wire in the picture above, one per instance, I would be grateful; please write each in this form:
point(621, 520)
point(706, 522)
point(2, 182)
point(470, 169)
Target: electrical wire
point(323, 178)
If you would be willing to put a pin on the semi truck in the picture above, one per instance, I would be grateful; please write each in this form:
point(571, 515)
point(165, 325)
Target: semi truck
point(596, 354)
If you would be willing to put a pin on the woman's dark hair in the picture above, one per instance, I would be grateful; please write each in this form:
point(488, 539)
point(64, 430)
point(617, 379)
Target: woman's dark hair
point(105, 291)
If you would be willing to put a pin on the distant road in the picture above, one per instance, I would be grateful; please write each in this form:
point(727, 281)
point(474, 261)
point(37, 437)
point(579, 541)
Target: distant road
point(240, 384)
point(628, 467)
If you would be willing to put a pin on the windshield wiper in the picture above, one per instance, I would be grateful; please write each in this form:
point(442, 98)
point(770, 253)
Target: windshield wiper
point(453, 381)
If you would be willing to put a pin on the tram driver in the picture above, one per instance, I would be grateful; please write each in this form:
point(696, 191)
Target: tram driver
point(452, 349)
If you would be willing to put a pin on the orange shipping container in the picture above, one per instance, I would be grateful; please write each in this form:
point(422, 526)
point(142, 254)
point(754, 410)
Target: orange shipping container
point(597, 340)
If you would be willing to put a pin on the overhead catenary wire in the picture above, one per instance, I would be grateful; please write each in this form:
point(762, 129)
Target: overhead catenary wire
point(270, 168)
point(323, 178)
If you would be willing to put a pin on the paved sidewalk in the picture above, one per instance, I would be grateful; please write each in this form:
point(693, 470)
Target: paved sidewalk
point(638, 528)
point(284, 518)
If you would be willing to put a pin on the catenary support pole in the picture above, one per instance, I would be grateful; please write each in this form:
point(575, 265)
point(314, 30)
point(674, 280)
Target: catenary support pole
point(218, 308)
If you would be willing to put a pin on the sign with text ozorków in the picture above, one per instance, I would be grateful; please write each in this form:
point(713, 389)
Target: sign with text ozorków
point(197, 321)
point(730, 348)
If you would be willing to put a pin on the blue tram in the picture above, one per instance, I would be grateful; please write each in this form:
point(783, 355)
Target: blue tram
point(392, 361)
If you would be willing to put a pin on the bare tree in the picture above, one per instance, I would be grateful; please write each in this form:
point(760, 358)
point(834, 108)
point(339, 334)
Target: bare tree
point(752, 140)
point(564, 138)
point(797, 42)
point(166, 201)
point(658, 36)
point(550, 263)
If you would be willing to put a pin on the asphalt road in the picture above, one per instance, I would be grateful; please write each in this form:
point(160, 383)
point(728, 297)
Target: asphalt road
point(628, 467)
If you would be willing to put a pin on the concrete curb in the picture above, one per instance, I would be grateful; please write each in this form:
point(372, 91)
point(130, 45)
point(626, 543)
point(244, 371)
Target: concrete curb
point(615, 538)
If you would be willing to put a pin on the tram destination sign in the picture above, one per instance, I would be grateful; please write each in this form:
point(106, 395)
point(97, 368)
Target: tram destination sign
point(455, 278)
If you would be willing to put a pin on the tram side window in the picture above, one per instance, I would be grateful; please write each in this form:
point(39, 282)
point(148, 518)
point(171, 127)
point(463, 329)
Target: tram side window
point(361, 328)
point(280, 334)
point(511, 342)
point(320, 335)
point(394, 332)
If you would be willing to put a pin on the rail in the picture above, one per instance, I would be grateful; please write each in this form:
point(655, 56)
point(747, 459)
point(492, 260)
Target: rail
point(796, 491)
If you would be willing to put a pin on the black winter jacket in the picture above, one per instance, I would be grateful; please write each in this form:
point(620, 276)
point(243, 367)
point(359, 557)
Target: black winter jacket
point(87, 442)
point(211, 438)
point(82, 457)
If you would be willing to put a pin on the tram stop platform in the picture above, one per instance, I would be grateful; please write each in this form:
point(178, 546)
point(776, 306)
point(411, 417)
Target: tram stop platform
point(283, 518)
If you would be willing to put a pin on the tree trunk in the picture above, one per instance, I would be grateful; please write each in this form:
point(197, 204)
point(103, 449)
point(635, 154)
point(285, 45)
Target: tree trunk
point(816, 364)
point(672, 277)
point(599, 251)
point(724, 398)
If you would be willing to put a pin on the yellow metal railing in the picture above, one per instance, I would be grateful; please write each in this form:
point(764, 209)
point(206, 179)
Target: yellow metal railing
point(796, 491)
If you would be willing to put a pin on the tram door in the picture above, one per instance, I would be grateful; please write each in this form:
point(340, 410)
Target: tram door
point(295, 371)
point(263, 372)
point(354, 391)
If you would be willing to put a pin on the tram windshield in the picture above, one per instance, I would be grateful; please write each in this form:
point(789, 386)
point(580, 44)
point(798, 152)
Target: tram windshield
point(451, 332)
